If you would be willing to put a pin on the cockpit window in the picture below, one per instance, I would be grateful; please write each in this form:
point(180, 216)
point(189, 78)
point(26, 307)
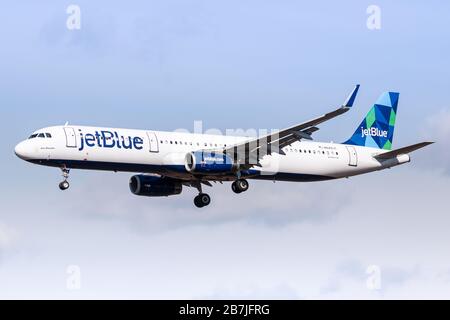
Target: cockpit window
point(40, 135)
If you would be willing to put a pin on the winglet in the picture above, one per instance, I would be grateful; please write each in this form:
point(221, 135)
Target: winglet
point(351, 98)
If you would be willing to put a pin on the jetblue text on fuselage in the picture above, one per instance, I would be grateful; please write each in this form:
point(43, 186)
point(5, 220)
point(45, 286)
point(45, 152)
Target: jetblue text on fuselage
point(109, 139)
point(373, 132)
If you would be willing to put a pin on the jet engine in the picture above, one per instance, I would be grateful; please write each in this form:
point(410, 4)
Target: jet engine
point(203, 162)
point(154, 186)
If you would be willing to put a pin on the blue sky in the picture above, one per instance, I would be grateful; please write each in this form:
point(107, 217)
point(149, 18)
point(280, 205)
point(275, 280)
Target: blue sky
point(234, 64)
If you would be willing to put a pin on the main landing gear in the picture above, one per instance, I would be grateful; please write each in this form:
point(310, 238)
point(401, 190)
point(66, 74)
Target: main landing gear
point(240, 185)
point(202, 199)
point(63, 185)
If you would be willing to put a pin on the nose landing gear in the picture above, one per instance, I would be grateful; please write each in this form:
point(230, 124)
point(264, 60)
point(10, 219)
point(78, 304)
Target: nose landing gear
point(63, 185)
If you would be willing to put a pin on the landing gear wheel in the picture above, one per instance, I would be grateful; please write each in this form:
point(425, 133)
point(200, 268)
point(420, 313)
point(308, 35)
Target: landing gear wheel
point(239, 185)
point(234, 188)
point(64, 185)
point(242, 185)
point(202, 200)
point(205, 199)
point(197, 202)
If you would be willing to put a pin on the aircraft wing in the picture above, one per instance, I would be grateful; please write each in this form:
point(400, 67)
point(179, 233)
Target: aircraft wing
point(249, 152)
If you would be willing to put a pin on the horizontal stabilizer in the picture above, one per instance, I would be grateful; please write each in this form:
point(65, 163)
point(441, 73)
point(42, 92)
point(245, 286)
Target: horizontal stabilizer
point(404, 150)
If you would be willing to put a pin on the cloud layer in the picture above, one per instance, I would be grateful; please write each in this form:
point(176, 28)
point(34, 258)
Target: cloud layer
point(128, 246)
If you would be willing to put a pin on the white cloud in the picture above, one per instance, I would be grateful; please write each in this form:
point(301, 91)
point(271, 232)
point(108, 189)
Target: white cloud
point(8, 236)
point(437, 129)
point(396, 219)
point(281, 291)
point(439, 124)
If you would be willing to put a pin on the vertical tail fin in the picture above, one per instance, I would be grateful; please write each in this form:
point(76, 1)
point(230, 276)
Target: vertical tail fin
point(377, 128)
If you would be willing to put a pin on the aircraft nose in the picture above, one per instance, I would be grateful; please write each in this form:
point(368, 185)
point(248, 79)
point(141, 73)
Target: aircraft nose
point(22, 151)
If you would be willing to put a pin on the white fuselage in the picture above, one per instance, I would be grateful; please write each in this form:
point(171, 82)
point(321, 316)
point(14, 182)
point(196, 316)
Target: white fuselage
point(164, 153)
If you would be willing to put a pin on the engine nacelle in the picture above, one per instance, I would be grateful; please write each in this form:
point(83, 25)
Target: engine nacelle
point(206, 162)
point(154, 186)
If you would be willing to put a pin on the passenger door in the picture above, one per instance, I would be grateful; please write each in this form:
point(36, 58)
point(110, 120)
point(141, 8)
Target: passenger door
point(71, 138)
point(153, 141)
point(352, 156)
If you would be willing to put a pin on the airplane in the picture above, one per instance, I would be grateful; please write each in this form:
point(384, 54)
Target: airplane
point(167, 161)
